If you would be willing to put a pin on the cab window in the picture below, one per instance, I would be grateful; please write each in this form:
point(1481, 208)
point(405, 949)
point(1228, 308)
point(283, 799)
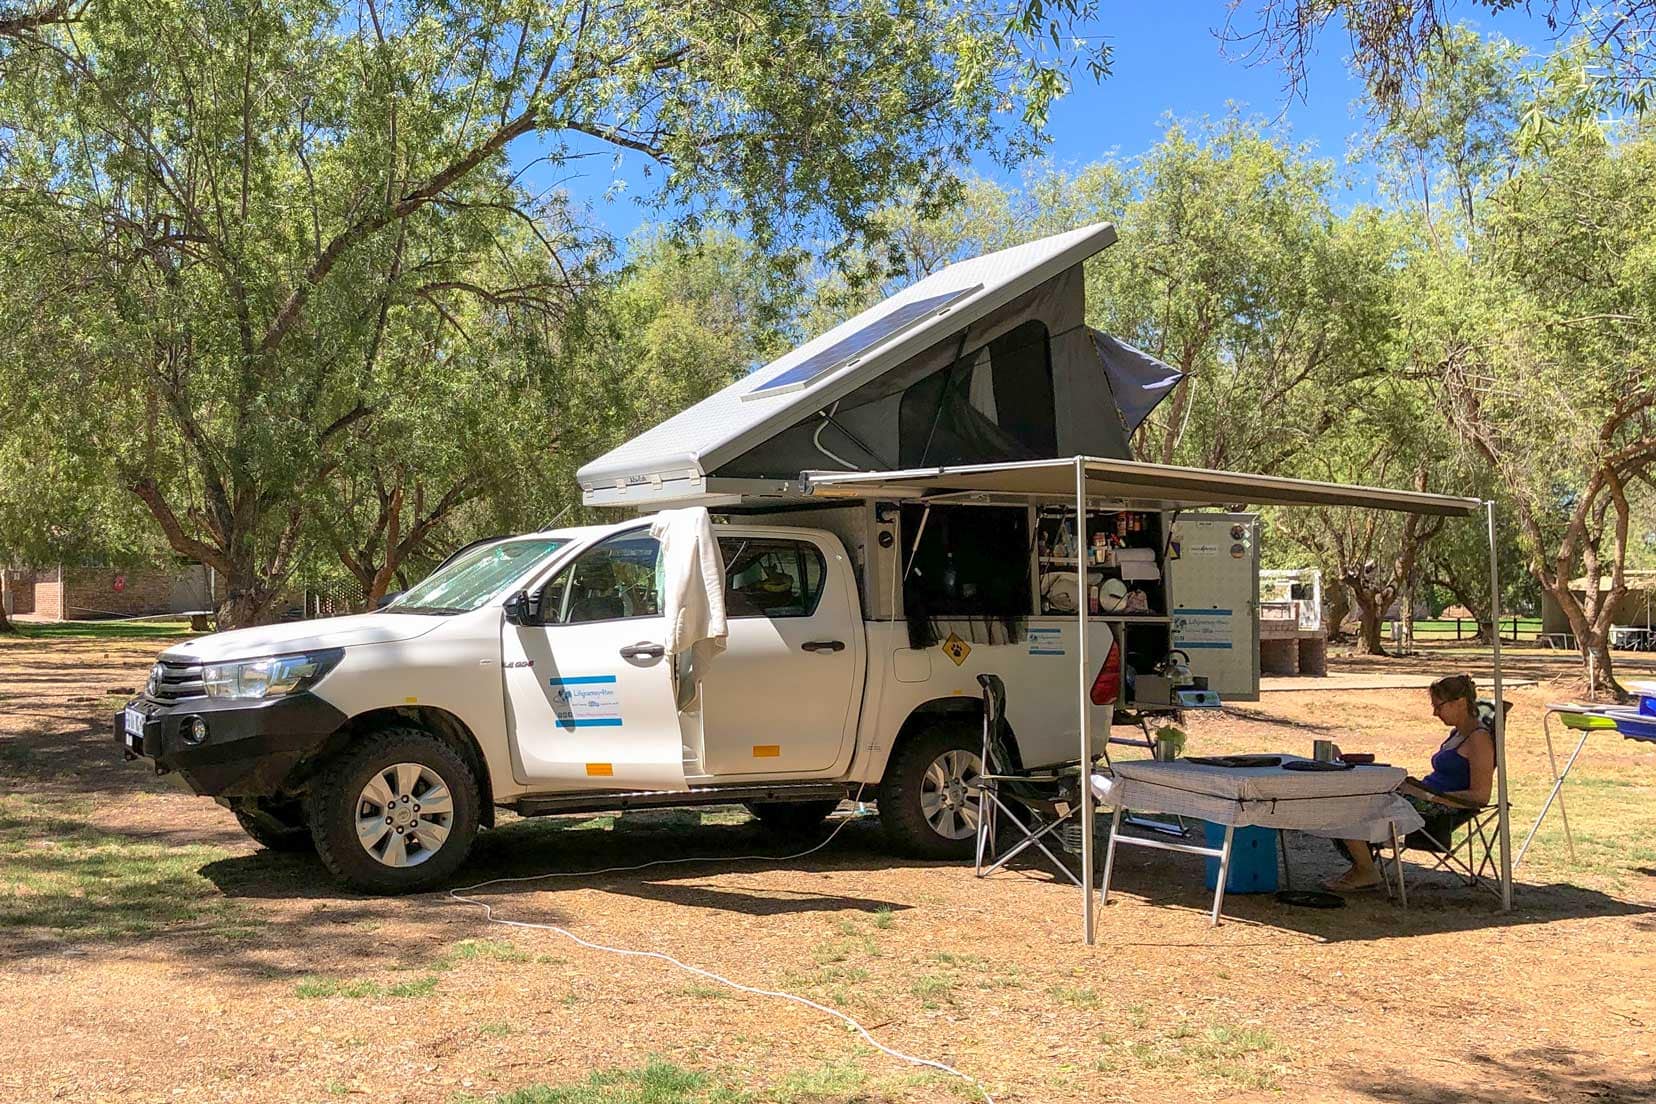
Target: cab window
point(771, 578)
point(619, 578)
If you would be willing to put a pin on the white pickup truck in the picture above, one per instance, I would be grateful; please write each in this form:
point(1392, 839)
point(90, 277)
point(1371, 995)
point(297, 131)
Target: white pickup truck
point(528, 673)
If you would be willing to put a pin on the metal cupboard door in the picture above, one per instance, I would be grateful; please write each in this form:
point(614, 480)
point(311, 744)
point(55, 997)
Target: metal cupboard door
point(589, 692)
point(781, 698)
point(1213, 589)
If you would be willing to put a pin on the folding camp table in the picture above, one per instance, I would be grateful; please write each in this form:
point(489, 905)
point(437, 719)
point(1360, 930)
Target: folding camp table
point(1586, 718)
point(1359, 803)
point(1580, 717)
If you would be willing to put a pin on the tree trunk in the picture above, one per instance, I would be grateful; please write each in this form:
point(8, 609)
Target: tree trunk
point(1592, 642)
point(1369, 611)
point(6, 627)
point(1339, 607)
point(248, 600)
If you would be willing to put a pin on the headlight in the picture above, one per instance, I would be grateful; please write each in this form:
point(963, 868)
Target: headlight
point(255, 679)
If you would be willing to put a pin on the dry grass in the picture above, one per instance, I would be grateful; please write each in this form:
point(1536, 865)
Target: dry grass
point(123, 897)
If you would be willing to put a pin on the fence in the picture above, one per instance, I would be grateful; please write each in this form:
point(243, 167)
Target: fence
point(1466, 628)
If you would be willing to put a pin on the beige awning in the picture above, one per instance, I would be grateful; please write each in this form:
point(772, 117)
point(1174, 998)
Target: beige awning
point(1144, 486)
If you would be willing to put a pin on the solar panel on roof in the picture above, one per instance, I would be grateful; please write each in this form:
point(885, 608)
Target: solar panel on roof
point(854, 345)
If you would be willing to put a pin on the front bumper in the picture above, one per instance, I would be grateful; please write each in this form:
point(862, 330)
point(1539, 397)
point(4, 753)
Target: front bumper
point(251, 748)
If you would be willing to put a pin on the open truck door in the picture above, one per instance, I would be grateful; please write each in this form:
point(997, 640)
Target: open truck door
point(1213, 568)
point(589, 687)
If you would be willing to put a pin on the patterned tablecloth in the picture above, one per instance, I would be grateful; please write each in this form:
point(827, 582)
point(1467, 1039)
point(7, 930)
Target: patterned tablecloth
point(1360, 803)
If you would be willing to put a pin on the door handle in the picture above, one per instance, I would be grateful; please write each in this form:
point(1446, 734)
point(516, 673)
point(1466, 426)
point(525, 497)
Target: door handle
point(824, 645)
point(643, 650)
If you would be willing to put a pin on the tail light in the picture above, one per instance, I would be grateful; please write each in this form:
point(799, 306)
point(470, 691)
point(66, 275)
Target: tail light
point(1107, 685)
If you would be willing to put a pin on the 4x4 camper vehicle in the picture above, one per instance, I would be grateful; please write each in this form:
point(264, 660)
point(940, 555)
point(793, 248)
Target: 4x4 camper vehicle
point(529, 672)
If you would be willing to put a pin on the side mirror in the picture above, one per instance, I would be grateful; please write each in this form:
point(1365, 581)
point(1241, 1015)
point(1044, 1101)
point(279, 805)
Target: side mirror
point(520, 609)
point(387, 598)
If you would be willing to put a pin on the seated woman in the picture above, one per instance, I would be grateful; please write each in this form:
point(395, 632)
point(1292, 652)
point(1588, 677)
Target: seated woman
point(1462, 772)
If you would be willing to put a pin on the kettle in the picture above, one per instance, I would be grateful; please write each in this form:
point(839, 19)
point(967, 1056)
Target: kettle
point(1175, 668)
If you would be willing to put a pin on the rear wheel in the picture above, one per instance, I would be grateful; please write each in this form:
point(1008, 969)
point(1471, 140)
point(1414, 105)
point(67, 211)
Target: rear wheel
point(275, 825)
point(791, 818)
point(395, 813)
point(929, 796)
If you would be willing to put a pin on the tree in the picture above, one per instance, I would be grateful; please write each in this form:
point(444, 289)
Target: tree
point(230, 213)
point(1542, 341)
point(1605, 54)
point(1235, 269)
point(1388, 437)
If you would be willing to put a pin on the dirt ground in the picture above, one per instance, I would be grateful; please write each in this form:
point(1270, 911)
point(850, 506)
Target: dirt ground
point(150, 952)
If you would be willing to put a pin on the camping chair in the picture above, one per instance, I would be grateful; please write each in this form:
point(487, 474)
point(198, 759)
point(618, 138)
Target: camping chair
point(1034, 803)
point(1473, 856)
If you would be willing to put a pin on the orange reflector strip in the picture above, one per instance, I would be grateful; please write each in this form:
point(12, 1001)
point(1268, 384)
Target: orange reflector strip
point(767, 751)
point(599, 770)
point(416, 701)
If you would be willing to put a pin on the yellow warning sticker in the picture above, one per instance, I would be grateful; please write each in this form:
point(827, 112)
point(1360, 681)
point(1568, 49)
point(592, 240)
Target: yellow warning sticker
point(767, 751)
point(956, 649)
point(599, 770)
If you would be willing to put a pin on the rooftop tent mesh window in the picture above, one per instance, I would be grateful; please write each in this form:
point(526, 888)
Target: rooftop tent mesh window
point(995, 403)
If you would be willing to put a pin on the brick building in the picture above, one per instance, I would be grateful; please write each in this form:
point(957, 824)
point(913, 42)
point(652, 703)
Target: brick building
point(77, 593)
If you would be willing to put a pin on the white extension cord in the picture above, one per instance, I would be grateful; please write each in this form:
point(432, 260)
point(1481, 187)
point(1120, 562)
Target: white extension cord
point(490, 917)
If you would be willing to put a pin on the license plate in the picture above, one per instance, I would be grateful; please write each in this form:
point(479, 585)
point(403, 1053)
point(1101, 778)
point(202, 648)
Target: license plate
point(134, 727)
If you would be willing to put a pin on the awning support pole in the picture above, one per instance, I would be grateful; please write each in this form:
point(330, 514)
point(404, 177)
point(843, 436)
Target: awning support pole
point(1504, 819)
point(1088, 812)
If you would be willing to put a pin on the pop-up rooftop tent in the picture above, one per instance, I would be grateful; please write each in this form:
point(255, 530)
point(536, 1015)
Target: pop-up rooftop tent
point(984, 361)
point(980, 382)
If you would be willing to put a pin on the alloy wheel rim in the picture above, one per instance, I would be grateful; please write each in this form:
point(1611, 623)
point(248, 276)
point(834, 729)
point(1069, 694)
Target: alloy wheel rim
point(948, 794)
point(404, 814)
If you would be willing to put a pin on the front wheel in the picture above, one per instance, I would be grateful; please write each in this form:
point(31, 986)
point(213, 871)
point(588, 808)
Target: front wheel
point(395, 813)
point(929, 796)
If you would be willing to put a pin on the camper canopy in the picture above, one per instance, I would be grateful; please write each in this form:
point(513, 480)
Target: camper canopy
point(987, 360)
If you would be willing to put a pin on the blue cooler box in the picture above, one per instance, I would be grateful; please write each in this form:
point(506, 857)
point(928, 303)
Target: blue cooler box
point(1253, 861)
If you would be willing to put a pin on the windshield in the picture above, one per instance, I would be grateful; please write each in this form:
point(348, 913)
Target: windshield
point(475, 576)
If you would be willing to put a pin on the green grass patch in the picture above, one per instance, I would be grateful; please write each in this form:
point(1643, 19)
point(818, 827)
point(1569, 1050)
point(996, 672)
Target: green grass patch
point(655, 1083)
point(1234, 1055)
point(829, 1081)
point(498, 1029)
point(1076, 997)
point(323, 988)
point(100, 630)
point(62, 874)
point(475, 950)
point(933, 990)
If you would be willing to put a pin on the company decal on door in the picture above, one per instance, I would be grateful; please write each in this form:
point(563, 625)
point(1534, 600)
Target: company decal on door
point(586, 701)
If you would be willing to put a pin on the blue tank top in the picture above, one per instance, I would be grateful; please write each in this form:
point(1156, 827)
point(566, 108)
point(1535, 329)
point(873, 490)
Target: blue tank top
point(1451, 771)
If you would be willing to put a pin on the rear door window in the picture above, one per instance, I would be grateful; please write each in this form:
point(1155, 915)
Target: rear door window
point(769, 577)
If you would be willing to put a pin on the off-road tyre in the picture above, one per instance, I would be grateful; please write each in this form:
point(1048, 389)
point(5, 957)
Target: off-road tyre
point(334, 807)
point(276, 826)
point(791, 818)
point(901, 813)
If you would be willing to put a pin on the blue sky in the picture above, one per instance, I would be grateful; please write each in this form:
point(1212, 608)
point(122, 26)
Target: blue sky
point(1168, 62)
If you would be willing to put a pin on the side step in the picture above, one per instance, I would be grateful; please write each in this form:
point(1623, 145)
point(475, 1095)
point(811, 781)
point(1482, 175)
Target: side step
point(616, 801)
